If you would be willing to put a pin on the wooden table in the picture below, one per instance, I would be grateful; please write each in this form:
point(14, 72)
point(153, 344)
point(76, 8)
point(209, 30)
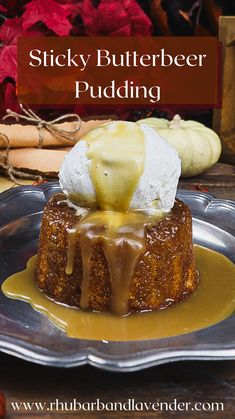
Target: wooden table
point(184, 381)
point(219, 181)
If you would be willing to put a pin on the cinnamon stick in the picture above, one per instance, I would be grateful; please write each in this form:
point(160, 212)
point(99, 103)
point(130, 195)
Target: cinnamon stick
point(44, 162)
point(22, 136)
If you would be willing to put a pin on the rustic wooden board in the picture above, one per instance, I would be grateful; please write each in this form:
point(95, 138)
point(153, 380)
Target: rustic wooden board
point(219, 181)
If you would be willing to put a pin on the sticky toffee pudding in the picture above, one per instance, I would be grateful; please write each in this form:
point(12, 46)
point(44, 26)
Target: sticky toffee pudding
point(118, 262)
point(123, 243)
point(117, 242)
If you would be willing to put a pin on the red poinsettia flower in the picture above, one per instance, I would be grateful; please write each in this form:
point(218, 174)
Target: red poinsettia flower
point(9, 32)
point(54, 15)
point(115, 18)
point(62, 18)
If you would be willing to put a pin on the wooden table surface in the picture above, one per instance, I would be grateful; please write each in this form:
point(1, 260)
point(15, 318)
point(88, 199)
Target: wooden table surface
point(185, 381)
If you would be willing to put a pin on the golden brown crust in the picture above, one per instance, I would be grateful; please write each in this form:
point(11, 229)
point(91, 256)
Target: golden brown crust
point(164, 273)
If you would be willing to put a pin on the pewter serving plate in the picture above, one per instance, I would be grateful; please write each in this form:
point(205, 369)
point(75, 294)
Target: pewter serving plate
point(29, 335)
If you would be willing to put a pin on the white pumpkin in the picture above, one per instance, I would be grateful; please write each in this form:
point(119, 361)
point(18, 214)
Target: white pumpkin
point(199, 147)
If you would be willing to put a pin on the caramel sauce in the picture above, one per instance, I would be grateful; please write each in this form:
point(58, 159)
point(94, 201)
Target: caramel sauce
point(117, 156)
point(122, 235)
point(115, 168)
point(212, 302)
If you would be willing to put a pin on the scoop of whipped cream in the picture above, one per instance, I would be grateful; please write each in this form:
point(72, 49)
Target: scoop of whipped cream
point(156, 187)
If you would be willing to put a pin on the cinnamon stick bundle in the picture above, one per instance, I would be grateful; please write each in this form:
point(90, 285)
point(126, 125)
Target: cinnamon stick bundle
point(43, 162)
point(21, 136)
point(38, 150)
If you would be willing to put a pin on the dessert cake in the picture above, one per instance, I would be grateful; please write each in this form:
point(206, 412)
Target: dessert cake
point(164, 272)
point(117, 239)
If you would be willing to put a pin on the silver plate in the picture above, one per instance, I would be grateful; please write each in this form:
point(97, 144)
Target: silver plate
point(29, 335)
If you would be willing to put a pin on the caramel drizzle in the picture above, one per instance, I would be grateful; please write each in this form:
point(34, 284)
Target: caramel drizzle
point(116, 153)
point(71, 251)
point(86, 245)
point(122, 256)
point(76, 236)
point(122, 236)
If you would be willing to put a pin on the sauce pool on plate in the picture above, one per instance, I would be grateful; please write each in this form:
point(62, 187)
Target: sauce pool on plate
point(212, 302)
